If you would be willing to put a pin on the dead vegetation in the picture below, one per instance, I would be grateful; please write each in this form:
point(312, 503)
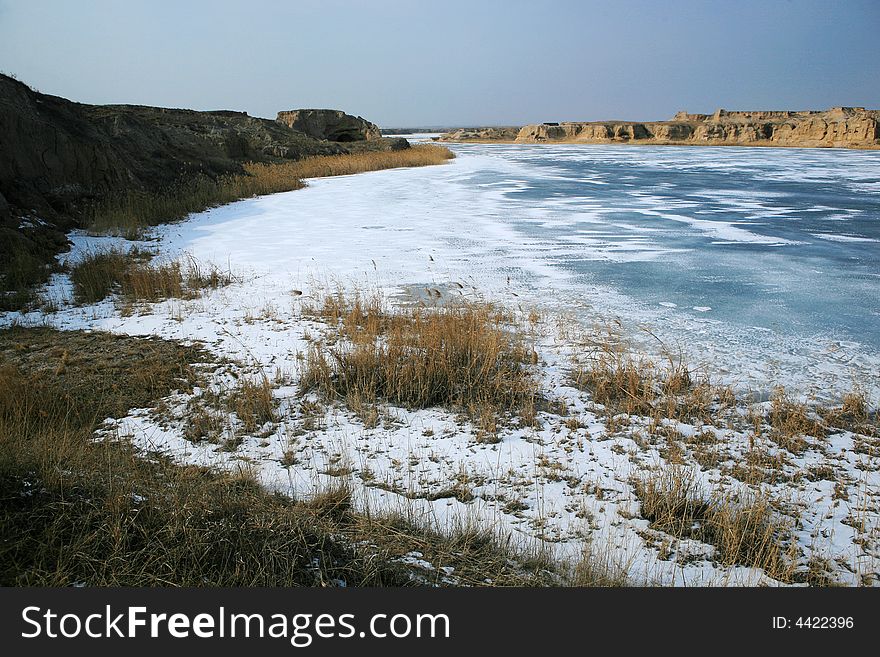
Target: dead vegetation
point(625, 383)
point(134, 277)
point(466, 357)
point(418, 155)
point(130, 213)
point(224, 413)
point(791, 422)
point(254, 404)
point(77, 511)
point(20, 272)
point(695, 424)
point(743, 528)
point(854, 414)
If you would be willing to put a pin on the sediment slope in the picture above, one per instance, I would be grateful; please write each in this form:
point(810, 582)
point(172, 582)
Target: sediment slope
point(841, 127)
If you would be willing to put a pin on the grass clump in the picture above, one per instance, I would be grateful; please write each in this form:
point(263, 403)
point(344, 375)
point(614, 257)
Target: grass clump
point(462, 356)
point(254, 404)
point(77, 511)
point(130, 213)
point(619, 382)
point(625, 383)
point(743, 529)
point(854, 413)
point(20, 272)
point(97, 275)
point(790, 422)
point(129, 273)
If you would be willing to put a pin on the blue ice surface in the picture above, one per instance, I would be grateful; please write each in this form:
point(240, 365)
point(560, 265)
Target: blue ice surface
point(784, 239)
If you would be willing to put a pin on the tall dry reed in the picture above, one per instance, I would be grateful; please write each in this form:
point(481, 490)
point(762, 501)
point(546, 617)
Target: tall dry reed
point(129, 213)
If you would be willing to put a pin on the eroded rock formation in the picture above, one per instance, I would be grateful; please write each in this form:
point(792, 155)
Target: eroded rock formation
point(332, 125)
point(842, 127)
point(848, 127)
point(482, 134)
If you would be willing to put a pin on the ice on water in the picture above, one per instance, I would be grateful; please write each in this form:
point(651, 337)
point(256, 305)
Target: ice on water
point(761, 261)
point(761, 264)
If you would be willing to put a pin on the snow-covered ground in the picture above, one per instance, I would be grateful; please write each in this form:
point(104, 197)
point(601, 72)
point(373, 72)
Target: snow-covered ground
point(567, 485)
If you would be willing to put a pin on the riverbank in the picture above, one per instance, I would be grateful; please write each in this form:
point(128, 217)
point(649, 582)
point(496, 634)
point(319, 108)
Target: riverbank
point(609, 451)
point(67, 165)
point(604, 460)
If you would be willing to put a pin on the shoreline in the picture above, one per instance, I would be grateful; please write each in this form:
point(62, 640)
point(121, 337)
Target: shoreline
point(239, 325)
point(575, 142)
point(569, 482)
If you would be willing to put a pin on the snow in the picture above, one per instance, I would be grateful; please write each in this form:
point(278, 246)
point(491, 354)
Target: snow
point(396, 232)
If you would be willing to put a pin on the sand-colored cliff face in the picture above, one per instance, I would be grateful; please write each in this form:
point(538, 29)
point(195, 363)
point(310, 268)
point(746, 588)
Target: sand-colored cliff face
point(847, 127)
point(481, 134)
point(332, 125)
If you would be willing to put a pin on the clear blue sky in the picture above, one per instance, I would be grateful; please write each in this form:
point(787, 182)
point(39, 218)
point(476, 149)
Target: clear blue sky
point(451, 62)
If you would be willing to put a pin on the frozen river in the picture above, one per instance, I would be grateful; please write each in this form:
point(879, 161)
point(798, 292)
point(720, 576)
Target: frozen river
point(761, 264)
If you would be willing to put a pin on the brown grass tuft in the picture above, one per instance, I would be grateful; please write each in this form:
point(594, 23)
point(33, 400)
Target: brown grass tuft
point(129, 273)
point(625, 383)
point(20, 272)
point(459, 356)
point(743, 529)
point(254, 404)
point(854, 414)
point(790, 422)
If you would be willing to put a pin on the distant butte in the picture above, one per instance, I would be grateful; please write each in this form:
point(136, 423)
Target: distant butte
point(839, 127)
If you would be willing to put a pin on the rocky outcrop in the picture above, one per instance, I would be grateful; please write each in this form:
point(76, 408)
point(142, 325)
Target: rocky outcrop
point(841, 127)
point(331, 125)
point(846, 127)
point(481, 134)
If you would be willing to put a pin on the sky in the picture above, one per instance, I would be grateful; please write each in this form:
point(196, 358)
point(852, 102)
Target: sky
point(450, 63)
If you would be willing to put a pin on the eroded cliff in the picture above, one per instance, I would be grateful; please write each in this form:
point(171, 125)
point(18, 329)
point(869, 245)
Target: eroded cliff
point(481, 134)
point(332, 125)
point(841, 127)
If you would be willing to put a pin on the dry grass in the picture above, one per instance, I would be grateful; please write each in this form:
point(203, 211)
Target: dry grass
point(790, 422)
point(625, 383)
point(128, 214)
point(204, 424)
point(129, 273)
point(343, 165)
point(20, 273)
point(619, 382)
point(597, 568)
point(743, 529)
point(464, 356)
point(854, 414)
point(254, 404)
point(76, 511)
point(480, 556)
